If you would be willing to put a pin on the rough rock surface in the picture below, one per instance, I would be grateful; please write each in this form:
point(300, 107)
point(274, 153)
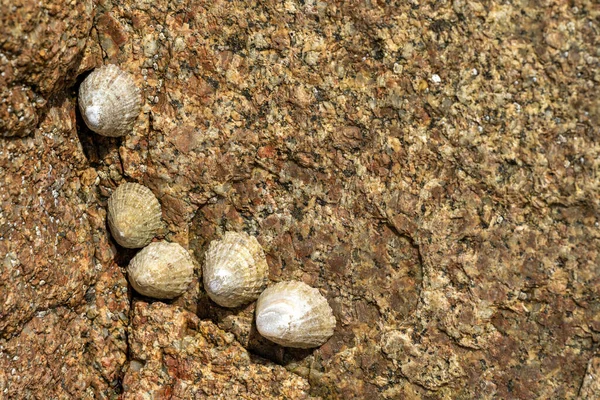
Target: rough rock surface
point(432, 167)
point(175, 355)
point(41, 49)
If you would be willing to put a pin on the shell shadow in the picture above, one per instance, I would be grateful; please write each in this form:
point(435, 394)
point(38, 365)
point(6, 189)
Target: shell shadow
point(246, 332)
point(265, 348)
point(124, 255)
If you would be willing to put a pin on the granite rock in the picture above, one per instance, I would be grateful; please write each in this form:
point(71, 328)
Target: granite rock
point(41, 50)
point(173, 354)
point(430, 167)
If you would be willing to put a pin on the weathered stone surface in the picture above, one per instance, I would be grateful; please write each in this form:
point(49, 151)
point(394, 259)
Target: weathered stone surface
point(591, 384)
point(68, 352)
point(431, 167)
point(175, 355)
point(41, 50)
point(53, 239)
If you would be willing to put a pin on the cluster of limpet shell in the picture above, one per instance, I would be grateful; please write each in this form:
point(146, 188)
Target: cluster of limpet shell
point(291, 313)
point(161, 270)
point(235, 270)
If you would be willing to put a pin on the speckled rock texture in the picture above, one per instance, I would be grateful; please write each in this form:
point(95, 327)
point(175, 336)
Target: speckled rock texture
point(175, 355)
point(41, 49)
point(433, 168)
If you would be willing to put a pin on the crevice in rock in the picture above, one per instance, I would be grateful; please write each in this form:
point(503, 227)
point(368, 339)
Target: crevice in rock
point(413, 242)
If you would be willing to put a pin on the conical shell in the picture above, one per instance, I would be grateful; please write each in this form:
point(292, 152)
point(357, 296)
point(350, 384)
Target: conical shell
point(161, 270)
point(294, 314)
point(235, 269)
point(109, 101)
point(134, 215)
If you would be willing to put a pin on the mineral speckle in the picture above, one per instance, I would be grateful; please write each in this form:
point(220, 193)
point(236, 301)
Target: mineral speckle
point(174, 354)
point(430, 166)
point(41, 49)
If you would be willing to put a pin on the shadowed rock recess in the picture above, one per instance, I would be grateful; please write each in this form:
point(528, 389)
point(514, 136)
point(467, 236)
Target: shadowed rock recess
point(432, 167)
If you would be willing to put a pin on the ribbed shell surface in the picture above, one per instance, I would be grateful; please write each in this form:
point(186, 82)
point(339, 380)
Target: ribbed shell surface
point(161, 270)
point(134, 215)
point(109, 101)
point(294, 314)
point(235, 270)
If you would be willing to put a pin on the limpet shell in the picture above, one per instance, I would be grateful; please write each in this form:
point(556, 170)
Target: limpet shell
point(109, 101)
point(161, 270)
point(294, 314)
point(134, 215)
point(235, 270)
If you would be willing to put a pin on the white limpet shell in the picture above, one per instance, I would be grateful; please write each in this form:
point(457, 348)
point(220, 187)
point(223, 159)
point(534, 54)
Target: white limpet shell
point(161, 270)
point(134, 215)
point(235, 270)
point(109, 101)
point(294, 314)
